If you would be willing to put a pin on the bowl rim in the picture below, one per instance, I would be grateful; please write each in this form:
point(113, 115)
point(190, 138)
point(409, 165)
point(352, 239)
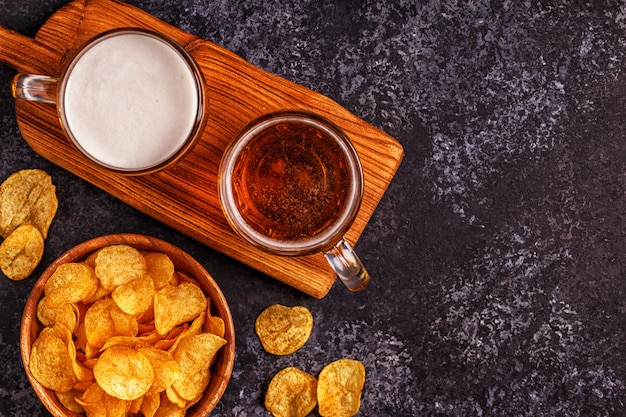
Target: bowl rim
point(184, 263)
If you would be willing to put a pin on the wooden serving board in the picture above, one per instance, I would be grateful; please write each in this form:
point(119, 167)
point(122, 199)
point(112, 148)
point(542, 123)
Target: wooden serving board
point(185, 196)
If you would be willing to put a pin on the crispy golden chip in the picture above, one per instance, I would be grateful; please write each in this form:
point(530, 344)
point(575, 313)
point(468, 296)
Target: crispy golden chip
point(166, 369)
point(168, 408)
point(169, 340)
point(82, 372)
point(215, 325)
point(150, 404)
point(339, 388)
point(119, 264)
point(291, 393)
point(104, 320)
point(123, 373)
point(135, 406)
point(175, 397)
point(177, 305)
point(81, 337)
point(100, 293)
point(63, 315)
point(43, 211)
point(190, 390)
point(27, 197)
point(160, 267)
point(90, 260)
point(93, 401)
point(197, 350)
point(21, 252)
point(70, 283)
point(50, 361)
point(135, 342)
point(68, 400)
point(194, 355)
point(97, 403)
point(187, 330)
point(283, 330)
point(135, 297)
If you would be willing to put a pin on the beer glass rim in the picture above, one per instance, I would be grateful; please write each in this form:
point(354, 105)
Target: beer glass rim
point(296, 247)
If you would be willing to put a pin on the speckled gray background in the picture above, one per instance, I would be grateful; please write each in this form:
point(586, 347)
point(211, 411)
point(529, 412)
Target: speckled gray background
point(498, 252)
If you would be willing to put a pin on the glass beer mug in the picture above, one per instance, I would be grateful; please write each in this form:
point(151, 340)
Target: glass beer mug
point(291, 184)
point(130, 100)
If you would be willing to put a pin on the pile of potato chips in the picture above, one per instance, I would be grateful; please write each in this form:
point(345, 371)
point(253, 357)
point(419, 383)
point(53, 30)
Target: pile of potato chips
point(125, 333)
point(292, 392)
point(28, 203)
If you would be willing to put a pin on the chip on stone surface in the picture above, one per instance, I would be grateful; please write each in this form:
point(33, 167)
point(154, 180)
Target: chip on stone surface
point(339, 388)
point(27, 197)
point(283, 330)
point(21, 252)
point(291, 393)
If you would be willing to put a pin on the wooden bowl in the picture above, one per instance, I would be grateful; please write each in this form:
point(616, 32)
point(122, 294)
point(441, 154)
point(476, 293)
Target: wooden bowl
point(220, 371)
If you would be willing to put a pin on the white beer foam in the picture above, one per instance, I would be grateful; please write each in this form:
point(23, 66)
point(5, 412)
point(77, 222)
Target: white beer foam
point(131, 101)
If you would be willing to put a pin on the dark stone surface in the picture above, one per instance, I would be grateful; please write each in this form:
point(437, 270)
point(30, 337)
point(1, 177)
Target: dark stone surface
point(498, 252)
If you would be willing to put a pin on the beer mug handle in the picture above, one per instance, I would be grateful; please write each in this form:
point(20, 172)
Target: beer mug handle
point(348, 266)
point(41, 88)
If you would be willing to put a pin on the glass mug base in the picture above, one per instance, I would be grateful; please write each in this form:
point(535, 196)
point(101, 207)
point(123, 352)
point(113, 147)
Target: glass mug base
point(291, 184)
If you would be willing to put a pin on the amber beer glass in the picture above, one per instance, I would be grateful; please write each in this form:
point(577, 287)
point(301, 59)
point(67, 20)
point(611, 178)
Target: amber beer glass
point(291, 184)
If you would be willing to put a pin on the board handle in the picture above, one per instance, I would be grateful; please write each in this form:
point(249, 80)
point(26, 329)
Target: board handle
point(26, 54)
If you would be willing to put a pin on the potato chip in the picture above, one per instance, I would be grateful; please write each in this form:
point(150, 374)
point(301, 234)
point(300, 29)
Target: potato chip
point(100, 293)
point(160, 267)
point(119, 264)
point(82, 373)
point(191, 389)
point(180, 277)
point(146, 319)
point(339, 388)
point(68, 400)
point(21, 252)
point(104, 320)
point(135, 342)
point(168, 408)
point(166, 369)
point(81, 337)
point(150, 404)
point(123, 373)
point(50, 361)
point(70, 283)
point(187, 330)
point(63, 315)
point(93, 401)
point(135, 297)
point(27, 197)
point(291, 393)
point(194, 355)
point(90, 260)
point(169, 340)
point(135, 406)
point(175, 398)
point(43, 211)
point(283, 330)
point(97, 403)
point(197, 350)
point(215, 325)
point(176, 305)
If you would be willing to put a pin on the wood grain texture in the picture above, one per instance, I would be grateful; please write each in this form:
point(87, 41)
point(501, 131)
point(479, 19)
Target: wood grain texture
point(185, 196)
